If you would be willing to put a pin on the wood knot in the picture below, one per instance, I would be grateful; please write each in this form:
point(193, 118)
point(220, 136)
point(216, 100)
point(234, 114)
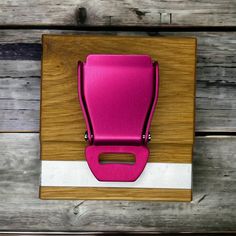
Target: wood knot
point(81, 15)
point(139, 13)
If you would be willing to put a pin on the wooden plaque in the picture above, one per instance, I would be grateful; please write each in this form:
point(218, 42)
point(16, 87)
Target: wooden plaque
point(64, 171)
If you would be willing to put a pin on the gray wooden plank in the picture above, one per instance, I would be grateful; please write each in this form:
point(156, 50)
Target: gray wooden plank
point(213, 207)
point(216, 81)
point(19, 95)
point(20, 51)
point(121, 13)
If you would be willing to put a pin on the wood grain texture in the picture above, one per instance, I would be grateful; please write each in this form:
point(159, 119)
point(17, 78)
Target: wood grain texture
point(19, 95)
point(173, 120)
point(215, 95)
point(62, 120)
point(121, 13)
point(133, 194)
point(178, 153)
point(213, 207)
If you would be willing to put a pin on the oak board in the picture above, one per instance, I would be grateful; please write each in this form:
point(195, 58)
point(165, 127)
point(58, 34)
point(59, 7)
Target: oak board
point(62, 124)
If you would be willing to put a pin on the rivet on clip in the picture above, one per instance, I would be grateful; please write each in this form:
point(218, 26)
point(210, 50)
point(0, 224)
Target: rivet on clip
point(118, 94)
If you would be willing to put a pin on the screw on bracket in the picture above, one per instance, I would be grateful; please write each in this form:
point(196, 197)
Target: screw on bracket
point(86, 136)
point(149, 137)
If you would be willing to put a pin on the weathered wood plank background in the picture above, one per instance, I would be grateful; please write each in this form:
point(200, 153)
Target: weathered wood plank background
point(20, 77)
point(121, 12)
point(212, 209)
point(214, 179)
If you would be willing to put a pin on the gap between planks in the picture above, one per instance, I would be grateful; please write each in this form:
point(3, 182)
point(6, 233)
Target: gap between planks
point(148, 29)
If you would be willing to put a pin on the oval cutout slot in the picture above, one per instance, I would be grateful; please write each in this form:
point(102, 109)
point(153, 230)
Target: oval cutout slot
point(117, 158)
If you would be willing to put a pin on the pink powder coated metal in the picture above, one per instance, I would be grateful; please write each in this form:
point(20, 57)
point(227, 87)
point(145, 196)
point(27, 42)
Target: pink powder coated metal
point(118, 94)
point(117, 172)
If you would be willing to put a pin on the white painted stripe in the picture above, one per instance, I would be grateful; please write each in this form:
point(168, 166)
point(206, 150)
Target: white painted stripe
point(78, 174)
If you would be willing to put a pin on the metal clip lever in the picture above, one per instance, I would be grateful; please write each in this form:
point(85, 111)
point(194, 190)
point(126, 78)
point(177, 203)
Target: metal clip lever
point(118, 94)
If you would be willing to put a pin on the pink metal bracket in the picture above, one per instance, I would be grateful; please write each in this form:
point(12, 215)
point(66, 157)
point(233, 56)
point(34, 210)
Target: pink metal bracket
point(118, 94)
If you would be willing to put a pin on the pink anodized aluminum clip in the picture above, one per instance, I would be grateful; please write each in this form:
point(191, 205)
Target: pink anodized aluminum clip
point(118, 94)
